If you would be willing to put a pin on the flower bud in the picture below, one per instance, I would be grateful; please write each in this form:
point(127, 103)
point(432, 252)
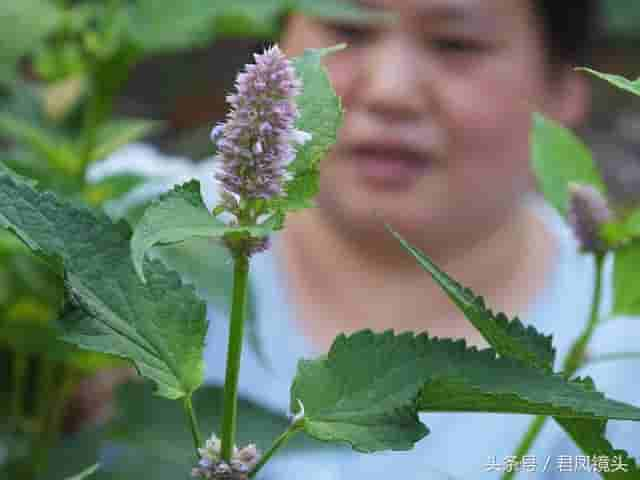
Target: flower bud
point(588, 211)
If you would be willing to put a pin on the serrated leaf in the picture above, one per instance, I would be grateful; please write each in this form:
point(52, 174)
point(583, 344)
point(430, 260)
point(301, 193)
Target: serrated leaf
point(590, 436)
point(118, 133)
point(177, 216)
point(559, 158)
point(632, 86)
point(508, 337)
point(320, 115)
point(198, 260)
point(368, 389)
point(626, 273)
point(160, 327)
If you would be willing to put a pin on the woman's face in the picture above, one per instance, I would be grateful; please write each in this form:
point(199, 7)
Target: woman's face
point(437, 114)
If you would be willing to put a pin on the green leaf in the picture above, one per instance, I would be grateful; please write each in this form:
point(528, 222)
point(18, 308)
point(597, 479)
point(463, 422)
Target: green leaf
point(256, 18)
point(54, 148)
point(177, 216)
point(320, 115)
point(160, 327)
point(560, 158)
point(86, 473)
point(118, 133)
point(111, 187)
point(346, 11)
point(590, 436)
point(622, 230)
point(508, 337)
point(368, 389)
point(632, 86)
point(198, 260)
point(626, 273)
point(166, 25)
point(23, 25)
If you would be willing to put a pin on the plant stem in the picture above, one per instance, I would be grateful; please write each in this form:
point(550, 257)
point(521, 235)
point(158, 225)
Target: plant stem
point(572, 363)
point(193, 422)
point(576, 355)
point(229, 410)
point(277, 444)
point(535, 427)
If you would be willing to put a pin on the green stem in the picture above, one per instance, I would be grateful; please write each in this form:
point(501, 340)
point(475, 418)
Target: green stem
point(572, 363)
point(193, 422)
point(277, 444)
point(576, 355)
point(527, 441)
point(230, 406)
point(20, 365)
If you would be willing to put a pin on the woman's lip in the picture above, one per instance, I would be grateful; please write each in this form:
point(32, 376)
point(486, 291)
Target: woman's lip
point(397, 169)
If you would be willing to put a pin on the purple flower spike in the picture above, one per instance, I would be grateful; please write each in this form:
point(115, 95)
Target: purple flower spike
point(256, 143)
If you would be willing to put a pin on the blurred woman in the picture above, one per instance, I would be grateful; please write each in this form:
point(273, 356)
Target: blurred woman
point(435, 142)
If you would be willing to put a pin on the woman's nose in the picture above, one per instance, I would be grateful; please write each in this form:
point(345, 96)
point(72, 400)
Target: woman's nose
point(391, 81)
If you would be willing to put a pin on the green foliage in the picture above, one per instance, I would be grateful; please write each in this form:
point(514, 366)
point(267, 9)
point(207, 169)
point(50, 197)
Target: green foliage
point(509, 338)
point(118, 133)
point(178, 216)
point(110, 188)
point(559, 158)
point(321, 116)
point(368, 389)
point(626, 269)
point(163, 25)
point(23, 26)
point(52, 147)
point(632, 86)
point(156, 431)
point(159, 327)
point(201, 260)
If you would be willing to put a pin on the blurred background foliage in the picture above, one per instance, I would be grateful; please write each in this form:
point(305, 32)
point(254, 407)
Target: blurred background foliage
point(81, 79)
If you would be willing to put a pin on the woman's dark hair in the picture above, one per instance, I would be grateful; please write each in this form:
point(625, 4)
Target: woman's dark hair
point(571, 28)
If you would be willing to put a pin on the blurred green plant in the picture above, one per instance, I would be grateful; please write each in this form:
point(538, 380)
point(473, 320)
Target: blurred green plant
point(62, 66)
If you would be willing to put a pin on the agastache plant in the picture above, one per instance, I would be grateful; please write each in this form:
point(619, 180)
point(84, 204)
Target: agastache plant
point(258, 140)
point(368, 389)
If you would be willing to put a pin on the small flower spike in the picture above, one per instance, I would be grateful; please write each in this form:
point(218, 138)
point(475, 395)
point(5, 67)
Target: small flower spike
point(588, 211)
point(211, 466)
point(256, 143)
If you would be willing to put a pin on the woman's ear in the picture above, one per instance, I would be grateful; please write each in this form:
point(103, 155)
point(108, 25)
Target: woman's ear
point(569, 99)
